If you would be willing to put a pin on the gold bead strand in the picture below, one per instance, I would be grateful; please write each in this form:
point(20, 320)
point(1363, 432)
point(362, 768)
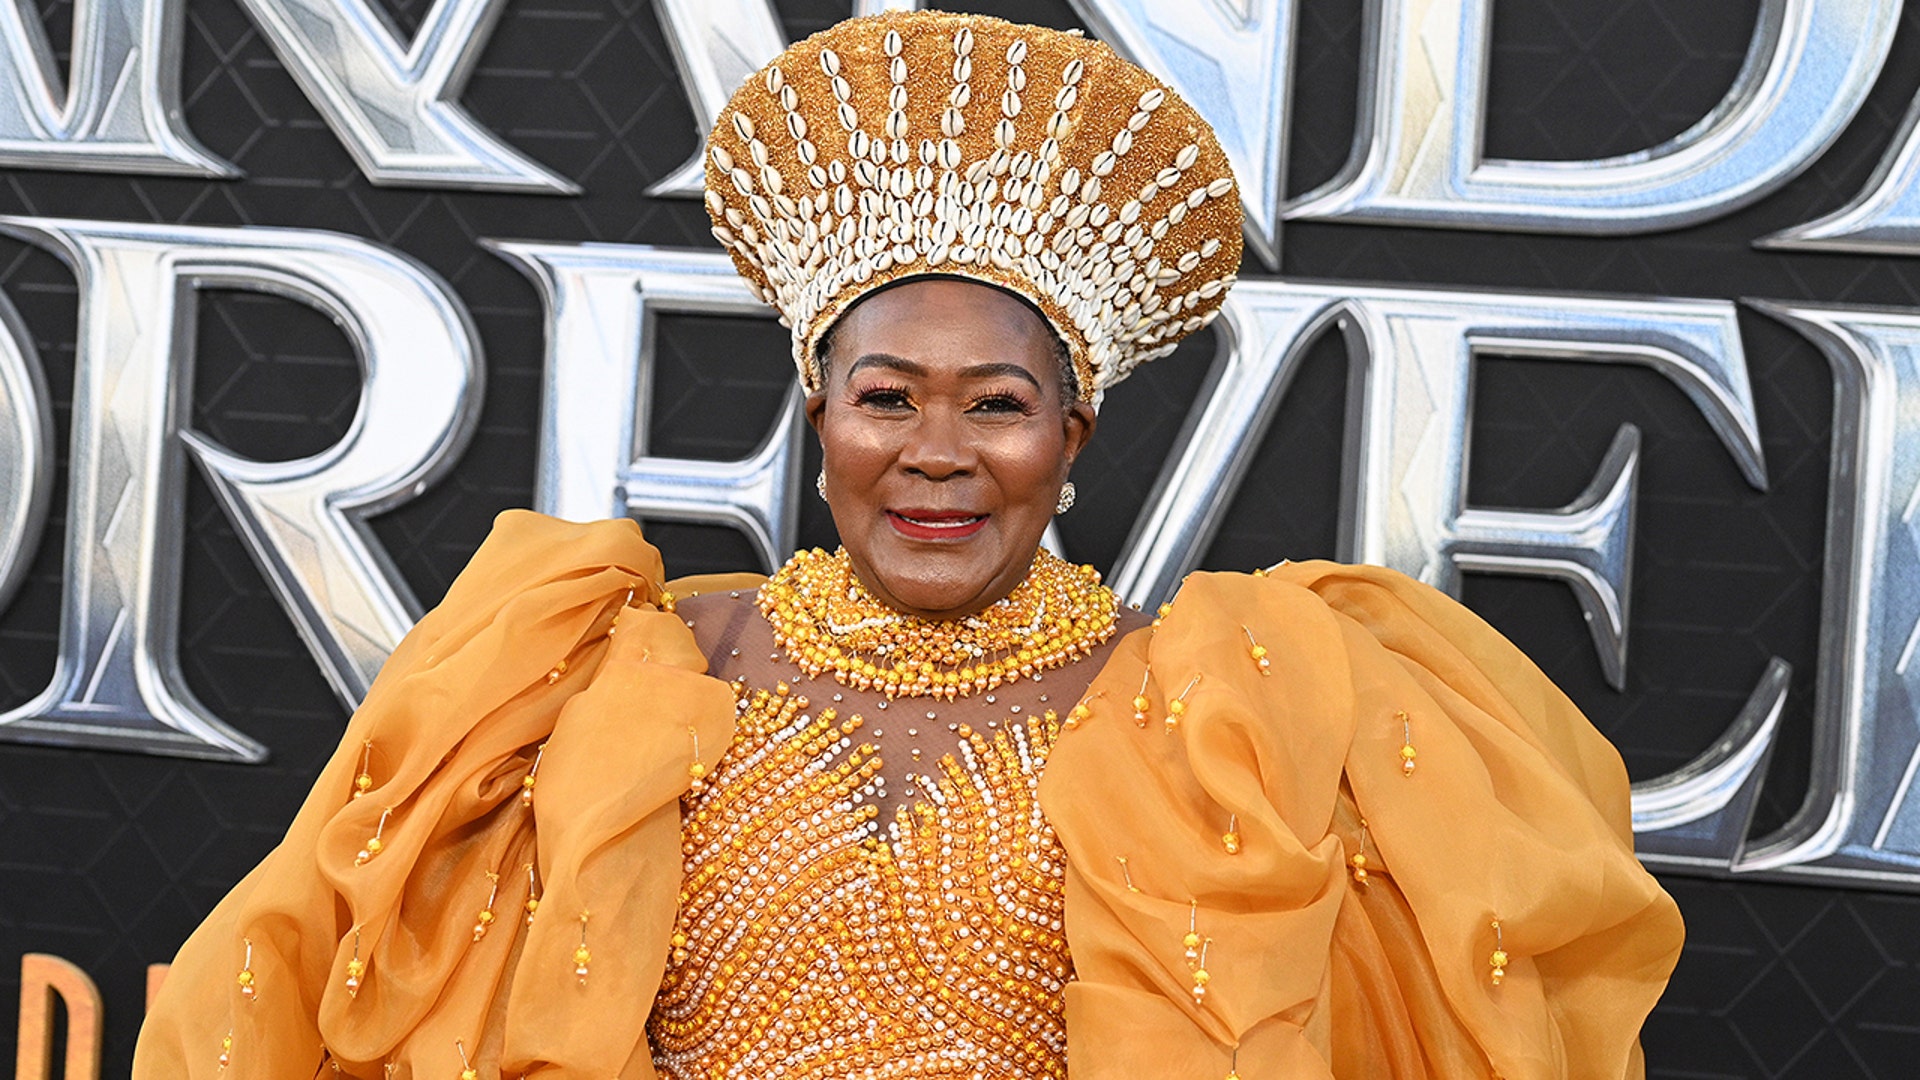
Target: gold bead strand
point(1196, 953)
point(375, 845)
point(226, 1050)
point(1359, 860)
point(1407, 752)
point(364, 782)
point(246, 979)
point(467, 1071)
point(1200, 976)
point(1498, 961)
point(1258, 652)
point(1082, 711)
point(356, 967)
point(1126, 872)
point(1177, 708)
point(1231, 838)
point(533, 776)
point(484, 921)
point(581, 956)
point(533, 900)
point(1233, 1066)
point(1140, 700)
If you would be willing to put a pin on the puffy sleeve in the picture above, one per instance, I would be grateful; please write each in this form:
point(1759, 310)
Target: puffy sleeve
point(493, 848)
point(1211, 806)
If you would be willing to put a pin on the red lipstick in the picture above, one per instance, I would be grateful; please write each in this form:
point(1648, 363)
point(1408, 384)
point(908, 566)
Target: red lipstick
point(917, 524)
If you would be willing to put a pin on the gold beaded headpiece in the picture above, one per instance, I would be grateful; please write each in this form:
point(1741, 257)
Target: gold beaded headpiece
point(929, 143)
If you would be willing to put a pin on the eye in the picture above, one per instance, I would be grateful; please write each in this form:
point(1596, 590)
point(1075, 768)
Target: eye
point(1001, 403)
point(884, 399)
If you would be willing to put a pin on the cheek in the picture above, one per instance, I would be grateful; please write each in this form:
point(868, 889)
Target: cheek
point(1026, 462)
point(854, 447)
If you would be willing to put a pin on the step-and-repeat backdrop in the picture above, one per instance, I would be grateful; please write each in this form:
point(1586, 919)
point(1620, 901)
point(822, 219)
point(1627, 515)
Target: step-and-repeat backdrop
point(1605, 317)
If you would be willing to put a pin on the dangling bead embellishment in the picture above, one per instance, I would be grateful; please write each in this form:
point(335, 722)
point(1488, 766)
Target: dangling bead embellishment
point(1231, 838)
point(1498, 961)
point(1407, 752)
point(484, 921)
point(356, 967)
point(1140, 701)
point(364, 782)
point(581, 957)
point(226, 1051)
point(532, 777)
point(1233, 1067)
point(533, 902)
point(624, 605)
point(1177, 708)
point(467, 1071)
point(1359, 860)
point(375, 845)
point(1127, 873)
point(245, 978)
point(697, 772)
point(559, 669)
point(1081, 712)
point(1197, 948)
point(1258, 652)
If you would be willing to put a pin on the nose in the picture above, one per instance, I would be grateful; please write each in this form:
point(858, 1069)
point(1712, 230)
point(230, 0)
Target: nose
point(937, 447)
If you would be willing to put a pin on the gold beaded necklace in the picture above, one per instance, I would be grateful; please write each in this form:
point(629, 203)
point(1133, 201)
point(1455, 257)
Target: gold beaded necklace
point(828, 622)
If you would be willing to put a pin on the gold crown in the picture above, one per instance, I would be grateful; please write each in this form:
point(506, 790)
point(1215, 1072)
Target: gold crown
point(1032, 159)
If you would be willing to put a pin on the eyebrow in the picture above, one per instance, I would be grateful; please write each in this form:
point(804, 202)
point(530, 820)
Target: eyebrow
point(909, 367)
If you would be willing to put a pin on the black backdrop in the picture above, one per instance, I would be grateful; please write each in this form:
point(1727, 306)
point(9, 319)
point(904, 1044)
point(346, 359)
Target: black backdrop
point(111, 859)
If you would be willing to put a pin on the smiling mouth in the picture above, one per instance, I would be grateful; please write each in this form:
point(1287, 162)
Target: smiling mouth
point(935, 524)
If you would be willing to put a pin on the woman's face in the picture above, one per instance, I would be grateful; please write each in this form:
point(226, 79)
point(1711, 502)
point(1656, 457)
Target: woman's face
point(946, 434)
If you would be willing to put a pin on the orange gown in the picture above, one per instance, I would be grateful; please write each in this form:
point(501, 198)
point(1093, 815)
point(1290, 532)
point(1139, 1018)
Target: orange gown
point(519, 725)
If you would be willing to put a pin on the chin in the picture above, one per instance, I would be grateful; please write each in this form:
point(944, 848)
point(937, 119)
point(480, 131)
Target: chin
point(937, 576)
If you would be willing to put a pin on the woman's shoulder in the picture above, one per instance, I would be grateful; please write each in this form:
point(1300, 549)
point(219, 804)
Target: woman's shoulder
point(1388, 605)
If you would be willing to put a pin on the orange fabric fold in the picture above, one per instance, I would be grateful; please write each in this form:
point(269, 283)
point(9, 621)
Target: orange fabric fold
point(1517, 810)
point(454, 722)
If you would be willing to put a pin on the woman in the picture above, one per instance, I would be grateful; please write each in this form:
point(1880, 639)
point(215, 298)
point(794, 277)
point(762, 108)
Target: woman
point(937, 805)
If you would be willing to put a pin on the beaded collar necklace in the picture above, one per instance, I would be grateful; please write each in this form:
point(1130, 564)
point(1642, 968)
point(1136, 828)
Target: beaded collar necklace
point(827, 622)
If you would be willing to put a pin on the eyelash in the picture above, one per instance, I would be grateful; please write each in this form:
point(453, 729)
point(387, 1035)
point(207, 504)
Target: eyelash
point(1011, 402)
point(867, 396)
point(1014, 402)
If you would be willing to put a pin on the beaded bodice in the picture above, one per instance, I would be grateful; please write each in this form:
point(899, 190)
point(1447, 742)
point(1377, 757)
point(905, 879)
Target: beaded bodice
point(816, 941)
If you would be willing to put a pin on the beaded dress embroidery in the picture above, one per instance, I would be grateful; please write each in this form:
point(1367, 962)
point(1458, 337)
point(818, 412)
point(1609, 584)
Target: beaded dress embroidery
point(812, 943)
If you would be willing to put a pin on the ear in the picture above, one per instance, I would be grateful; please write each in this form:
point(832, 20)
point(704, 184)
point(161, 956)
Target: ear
point(816, 409)
point(1080, 420)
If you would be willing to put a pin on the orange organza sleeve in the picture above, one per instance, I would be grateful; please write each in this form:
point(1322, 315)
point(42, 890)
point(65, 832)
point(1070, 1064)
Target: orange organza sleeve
point(524, 652)
point(1516, 811)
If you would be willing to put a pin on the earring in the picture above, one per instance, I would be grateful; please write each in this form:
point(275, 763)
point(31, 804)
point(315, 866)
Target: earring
point(1065, 502)
point(820, 484)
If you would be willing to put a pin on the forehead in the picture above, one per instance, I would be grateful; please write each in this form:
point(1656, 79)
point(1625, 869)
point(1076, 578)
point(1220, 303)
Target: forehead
point(938, 322)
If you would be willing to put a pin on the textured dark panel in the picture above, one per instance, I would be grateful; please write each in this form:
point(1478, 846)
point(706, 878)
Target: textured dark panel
point(110, 859)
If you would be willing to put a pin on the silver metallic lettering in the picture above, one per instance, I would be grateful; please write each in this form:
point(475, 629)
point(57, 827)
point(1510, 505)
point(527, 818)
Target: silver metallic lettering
point(117, 683)
point(1417, 157)
point(594, 462)
point(395, 106)
point(120, 110)
point(717, 44)
point(1884, 218)
point(1405, 492)
point(26, 451)
point(1234, 62)
point(1859, 823)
